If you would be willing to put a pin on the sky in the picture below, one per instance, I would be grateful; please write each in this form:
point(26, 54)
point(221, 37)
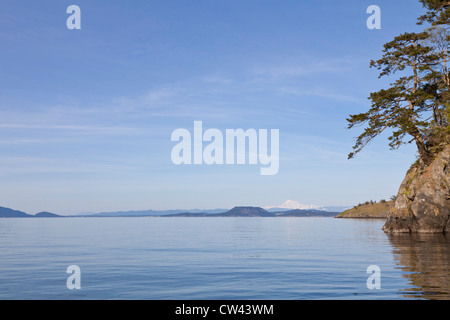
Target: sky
point(86, 116)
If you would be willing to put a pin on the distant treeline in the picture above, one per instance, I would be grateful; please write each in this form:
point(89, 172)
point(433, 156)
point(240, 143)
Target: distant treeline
point(371, 202)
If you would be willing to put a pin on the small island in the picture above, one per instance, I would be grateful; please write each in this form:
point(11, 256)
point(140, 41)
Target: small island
point(369, 210)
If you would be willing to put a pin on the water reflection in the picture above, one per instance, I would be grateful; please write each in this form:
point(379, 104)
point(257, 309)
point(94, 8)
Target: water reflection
point(425, 259)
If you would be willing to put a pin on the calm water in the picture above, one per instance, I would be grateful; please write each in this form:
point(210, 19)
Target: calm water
point(218, 258)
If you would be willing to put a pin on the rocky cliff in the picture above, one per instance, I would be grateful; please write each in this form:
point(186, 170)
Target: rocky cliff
point(423, 199)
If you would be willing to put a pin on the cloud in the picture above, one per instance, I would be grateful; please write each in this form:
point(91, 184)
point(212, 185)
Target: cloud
point(317, 93)
point(302, 69)
point(217, 80)
point(30, 141)
point(79, 128)
point(11, 165)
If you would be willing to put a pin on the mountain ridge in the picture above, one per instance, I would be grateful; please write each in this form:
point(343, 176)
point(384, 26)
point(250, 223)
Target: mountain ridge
point(238, 211)
point(150, 212)
point(259, 212)
point(11, 213)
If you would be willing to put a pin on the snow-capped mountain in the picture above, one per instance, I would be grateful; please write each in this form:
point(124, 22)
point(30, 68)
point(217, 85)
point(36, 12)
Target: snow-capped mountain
point(291, 205)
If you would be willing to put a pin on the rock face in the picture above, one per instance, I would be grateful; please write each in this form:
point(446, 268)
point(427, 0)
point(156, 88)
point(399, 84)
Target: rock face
point(423, 200)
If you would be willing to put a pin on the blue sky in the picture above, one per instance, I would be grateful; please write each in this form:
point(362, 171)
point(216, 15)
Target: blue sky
point(86, 115)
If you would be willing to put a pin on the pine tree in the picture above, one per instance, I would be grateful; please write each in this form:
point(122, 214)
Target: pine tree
point(416, 106)
point(438, 12)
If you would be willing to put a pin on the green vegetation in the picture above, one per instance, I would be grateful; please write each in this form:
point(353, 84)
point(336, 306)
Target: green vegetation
point(369, 209)
point(416, 107)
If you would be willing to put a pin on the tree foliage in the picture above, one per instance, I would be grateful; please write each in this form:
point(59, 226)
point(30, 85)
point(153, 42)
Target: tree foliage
point(438, 12)
point(415, 108)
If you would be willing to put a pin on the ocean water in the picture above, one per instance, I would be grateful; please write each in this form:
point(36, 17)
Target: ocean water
point(218, 258)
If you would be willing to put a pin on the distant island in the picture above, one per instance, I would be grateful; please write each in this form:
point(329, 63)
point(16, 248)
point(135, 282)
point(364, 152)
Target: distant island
point(46, 215)
point(10, 213)
point(259, 212)
point(235, 212)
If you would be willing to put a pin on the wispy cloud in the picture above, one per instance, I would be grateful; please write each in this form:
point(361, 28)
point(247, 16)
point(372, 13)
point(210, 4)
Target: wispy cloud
point(29, 141)
point(296, 69)
point(217, 80)
point(78, 128)
point(40, 165)
point(317, 93)
point(154, 99)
